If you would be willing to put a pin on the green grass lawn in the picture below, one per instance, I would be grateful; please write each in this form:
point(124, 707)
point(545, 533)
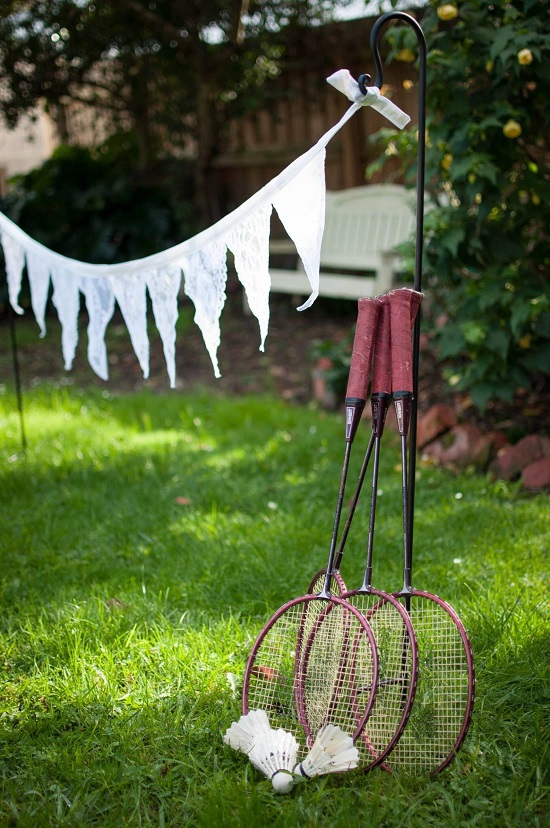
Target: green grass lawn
point(146, 539)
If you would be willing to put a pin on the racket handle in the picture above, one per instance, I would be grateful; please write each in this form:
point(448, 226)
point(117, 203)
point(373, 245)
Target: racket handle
point(361, 359)
point(404, 304)
point(381, 369)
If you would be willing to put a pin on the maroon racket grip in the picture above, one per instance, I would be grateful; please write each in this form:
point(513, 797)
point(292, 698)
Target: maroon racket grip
point(402, 314)
point(381, 367)
point(363, 343)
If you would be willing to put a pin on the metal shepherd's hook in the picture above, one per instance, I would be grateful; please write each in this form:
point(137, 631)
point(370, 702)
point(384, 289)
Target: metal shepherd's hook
point(363, 80)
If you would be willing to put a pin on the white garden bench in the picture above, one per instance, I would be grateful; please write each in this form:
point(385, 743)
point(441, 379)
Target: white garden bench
point(363, 226)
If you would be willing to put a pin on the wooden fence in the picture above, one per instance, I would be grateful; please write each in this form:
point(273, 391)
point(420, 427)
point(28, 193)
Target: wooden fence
point(261, 143)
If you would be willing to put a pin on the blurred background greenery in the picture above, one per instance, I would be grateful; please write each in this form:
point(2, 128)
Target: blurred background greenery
point(168, 87)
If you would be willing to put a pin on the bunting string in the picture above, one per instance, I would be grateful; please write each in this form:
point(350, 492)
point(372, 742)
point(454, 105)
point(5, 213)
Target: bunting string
point(298, 196)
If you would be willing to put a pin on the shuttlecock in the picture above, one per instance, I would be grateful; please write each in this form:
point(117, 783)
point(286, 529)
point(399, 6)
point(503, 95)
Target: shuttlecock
point(244, 734)
point(333, 751)
point(274, 754)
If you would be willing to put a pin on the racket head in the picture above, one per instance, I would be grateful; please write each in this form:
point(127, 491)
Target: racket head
point(310, 610)
point(444, 696)
point(398, 671)
point(304, 677)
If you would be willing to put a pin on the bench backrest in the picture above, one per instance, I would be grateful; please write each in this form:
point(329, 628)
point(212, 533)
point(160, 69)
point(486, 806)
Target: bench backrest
point(363, 222)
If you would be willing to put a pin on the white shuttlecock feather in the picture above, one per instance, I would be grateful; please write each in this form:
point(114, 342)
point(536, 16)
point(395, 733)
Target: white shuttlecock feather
point(333, 752)
point(274, 755)
point(245, 733)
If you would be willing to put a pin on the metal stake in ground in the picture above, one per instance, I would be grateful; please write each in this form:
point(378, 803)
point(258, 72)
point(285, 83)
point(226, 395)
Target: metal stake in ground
point(362, 80)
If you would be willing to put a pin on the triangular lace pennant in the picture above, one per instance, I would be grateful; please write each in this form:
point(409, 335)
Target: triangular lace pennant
point(39, 280)
point(66, 298)
point(14, 254)
point(131, 295)
point(300, 205)
point(163, 285)
point(100, 304)
point(249, 243)
point(205, 277)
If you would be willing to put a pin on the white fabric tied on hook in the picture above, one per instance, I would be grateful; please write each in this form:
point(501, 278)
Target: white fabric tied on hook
point(348, 86)
point(298, 196)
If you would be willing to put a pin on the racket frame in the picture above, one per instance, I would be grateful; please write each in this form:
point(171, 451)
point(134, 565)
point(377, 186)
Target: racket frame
point(407, 598)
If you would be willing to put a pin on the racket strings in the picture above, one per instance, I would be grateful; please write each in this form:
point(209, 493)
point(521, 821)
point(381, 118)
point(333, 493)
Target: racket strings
point(444, 690)
point(301, 672)
point(395, 688)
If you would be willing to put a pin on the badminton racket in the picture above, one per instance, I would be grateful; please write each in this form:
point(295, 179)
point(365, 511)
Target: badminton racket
point(390, 624)
point(355, 400)
point(389, 621)
point(444, 695)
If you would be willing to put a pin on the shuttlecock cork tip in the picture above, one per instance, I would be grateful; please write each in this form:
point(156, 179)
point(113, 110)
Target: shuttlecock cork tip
point(282, 781)
point(274, 755)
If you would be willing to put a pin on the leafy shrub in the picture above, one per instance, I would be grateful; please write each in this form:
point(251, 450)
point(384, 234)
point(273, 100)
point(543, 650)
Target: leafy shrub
point(487, 253)
point(95, 205)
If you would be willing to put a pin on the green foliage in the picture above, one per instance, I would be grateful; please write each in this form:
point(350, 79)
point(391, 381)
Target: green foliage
point(147, 538)
point(96, 206)
point(487, 254)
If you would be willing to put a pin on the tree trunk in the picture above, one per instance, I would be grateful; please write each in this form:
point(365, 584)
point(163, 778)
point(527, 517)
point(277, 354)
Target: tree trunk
point(58, 113)
point(206, 136)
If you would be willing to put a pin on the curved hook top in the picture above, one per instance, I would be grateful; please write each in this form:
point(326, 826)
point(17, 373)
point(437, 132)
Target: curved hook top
point(364, 79)
point(375, 32)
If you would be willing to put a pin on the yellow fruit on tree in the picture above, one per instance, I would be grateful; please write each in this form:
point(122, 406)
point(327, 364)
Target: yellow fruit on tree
point(525, 57)
point(447, 161)
point(448, 11)
point(511, 129)
point(406, 55)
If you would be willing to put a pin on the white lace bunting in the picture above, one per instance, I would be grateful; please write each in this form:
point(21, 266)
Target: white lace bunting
point(298, 196)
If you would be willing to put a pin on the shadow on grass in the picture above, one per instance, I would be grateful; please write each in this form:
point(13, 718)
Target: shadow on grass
point(123, 498)
point(230, 505)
